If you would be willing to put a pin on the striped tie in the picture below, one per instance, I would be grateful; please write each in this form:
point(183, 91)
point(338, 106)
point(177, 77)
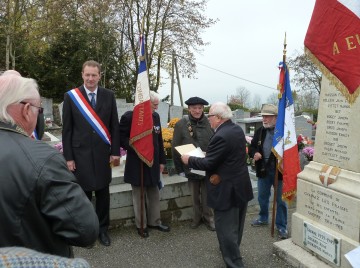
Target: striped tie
point(92, 100)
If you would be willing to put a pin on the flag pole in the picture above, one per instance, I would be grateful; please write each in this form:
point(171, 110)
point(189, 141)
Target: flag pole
point(276, 179)
point(141, 162)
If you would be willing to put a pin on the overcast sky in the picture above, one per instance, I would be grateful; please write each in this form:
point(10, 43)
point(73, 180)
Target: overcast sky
point(246, 42)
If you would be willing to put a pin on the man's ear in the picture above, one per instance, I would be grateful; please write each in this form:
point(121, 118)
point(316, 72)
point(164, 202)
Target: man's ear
point(25, 112)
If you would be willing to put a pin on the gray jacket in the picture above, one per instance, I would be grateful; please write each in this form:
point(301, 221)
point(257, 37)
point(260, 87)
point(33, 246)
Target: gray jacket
point(190, 130)
point(41, 205)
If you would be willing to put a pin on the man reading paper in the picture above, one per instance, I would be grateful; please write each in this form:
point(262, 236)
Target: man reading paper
point(228, 181)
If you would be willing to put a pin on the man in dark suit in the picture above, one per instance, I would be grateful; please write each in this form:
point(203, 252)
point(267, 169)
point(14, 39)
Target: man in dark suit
point(91, 141)
point(228, 181)
point(151, 175)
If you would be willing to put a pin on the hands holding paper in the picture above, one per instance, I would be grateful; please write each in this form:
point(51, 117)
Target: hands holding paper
point(185, 158)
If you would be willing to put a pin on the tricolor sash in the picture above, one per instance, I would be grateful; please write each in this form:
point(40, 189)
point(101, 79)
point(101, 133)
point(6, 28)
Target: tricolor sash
point(90, 115)
point(34, 135)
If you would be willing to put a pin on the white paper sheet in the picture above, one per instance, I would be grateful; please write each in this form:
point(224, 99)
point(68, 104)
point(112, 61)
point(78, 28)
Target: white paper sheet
point(354, 257)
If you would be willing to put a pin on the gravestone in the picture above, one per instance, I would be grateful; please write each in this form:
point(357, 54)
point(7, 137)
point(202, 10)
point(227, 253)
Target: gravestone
point(163, 111)
point(240, 114)
point(327, 218)
point(61, 105)
point(47, 104)
point(123, 106)
point(303, 127)
point(58, 113)
point(176, 112)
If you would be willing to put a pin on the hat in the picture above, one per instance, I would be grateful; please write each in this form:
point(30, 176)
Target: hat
point(196, 100)
point(269, 109)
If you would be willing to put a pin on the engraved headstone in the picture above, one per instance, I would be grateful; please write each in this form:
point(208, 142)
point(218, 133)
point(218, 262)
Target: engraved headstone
point(328, 189)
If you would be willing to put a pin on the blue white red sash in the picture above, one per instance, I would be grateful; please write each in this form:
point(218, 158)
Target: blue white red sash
point(34, 135)
point(90, 115)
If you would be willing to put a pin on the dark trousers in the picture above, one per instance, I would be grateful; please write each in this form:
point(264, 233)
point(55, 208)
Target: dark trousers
point(102, 206)
point(229, 225)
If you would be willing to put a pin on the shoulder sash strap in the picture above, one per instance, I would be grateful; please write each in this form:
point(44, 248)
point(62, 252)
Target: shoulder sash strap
point(90, 115)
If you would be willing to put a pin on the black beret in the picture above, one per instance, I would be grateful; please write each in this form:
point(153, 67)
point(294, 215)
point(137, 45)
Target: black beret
point(196, 100)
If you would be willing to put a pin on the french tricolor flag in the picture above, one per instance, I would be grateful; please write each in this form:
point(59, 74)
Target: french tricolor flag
point(141, 138)
point(285, 143)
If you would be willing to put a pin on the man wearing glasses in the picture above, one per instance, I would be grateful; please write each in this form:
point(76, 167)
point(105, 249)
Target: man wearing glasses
point(38, 132)
point(42, 206)
point(228, 181)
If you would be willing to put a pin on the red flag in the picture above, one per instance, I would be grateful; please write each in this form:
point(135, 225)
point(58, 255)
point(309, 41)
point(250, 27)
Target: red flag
point(333, 42)
point(141, 138)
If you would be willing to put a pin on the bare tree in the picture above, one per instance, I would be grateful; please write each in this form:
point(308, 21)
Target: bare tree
point(242, 97)
point(307, 78)
point(256, 102)
point(273, 99)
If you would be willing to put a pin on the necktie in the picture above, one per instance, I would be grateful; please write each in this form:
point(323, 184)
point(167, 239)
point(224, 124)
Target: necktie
point(92, 100)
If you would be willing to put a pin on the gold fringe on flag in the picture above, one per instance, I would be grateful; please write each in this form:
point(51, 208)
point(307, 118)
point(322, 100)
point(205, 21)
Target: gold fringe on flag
point(351, 98)
point(138, 137)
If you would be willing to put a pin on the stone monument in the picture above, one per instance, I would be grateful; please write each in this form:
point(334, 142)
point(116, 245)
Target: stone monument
point(327, 218)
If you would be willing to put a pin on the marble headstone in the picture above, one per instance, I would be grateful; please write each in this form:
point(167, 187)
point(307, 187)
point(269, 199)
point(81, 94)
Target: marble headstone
point(328, 189)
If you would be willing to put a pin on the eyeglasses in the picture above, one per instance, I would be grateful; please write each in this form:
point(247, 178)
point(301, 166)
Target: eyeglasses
point(41, 109)
point(210, 115)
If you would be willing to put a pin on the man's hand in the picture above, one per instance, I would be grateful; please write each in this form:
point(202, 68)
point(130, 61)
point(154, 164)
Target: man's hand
point(162, 167)
point(114, 160)
point(257, 156)
point(71, 165)
point(185, 159)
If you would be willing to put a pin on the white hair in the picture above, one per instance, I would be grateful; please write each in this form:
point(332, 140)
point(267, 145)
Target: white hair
point(154, 96)
point(14, 89)
point(222, 110)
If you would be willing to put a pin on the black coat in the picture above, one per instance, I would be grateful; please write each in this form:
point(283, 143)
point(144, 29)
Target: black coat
point(82, 144)
point(42, 206)
point(257, 146)
point(226, 156)
point(133, 165)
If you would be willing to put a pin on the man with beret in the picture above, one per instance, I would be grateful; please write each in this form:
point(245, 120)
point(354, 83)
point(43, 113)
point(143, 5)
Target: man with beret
point(194, 129)
point(265, 163)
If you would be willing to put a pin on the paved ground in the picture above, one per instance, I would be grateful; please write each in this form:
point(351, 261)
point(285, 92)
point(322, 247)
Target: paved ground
point(182, 247)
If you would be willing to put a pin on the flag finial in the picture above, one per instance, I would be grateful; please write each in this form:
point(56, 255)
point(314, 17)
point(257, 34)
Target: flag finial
point(284, 51)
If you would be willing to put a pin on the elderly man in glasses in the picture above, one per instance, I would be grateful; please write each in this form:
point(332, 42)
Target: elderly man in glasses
point(42, 206)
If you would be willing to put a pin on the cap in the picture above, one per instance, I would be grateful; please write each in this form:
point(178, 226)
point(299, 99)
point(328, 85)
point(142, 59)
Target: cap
point(269, 109)
point(196, 100)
